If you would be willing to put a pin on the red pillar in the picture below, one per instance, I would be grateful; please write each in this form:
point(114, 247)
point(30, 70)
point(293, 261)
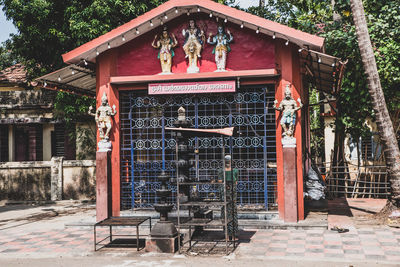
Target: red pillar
point(103, 186)
point(288, 64)
point(107, 67)
point(290, 183)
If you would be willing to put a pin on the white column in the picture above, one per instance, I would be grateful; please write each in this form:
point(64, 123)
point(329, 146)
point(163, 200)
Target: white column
point(47, 128)
point(11, 153)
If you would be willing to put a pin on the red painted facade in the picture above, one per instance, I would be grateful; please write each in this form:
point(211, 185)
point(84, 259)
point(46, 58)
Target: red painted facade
point(249, 50)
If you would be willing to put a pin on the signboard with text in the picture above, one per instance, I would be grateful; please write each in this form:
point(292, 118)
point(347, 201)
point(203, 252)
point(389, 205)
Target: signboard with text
point(192, 87)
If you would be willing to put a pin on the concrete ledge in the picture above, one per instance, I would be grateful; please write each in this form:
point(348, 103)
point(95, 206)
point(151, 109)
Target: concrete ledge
point(79, 163)
point(314, 220)
point(250, 215)
point(47, 202)
point(25, 164)
point(45, 164)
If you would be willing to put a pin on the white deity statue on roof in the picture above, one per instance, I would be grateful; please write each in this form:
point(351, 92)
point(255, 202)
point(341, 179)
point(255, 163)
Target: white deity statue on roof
point(221, 41)
point(194, 40)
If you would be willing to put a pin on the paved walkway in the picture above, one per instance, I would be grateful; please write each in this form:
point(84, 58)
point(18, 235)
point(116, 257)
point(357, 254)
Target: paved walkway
point(47, 237)
point(379, 244)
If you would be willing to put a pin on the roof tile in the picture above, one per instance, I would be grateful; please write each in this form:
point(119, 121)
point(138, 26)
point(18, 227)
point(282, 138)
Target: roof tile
point(16, 74)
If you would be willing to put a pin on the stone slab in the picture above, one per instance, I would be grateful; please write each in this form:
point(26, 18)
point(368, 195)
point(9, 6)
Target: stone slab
point(162, 244)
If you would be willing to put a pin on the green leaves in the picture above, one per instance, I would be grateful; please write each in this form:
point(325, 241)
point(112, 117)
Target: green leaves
point(7, 58)
point(72, 108)
point(49, 28)
point(316, 17)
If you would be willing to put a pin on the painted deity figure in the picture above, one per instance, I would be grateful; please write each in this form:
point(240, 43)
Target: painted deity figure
point(288, 106)
point(194, 40)
point(103, 118)
point(221, 41)
point(166, 43)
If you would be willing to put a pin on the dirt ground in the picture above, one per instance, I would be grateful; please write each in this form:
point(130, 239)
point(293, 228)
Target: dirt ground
point(359, 213)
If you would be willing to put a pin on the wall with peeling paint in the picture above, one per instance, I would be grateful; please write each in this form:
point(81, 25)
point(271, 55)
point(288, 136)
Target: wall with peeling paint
point(31, 181)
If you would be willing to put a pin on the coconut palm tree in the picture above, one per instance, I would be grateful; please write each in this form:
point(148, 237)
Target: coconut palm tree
point(385, 126)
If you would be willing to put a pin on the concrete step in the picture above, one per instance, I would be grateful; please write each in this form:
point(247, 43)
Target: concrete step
point(280, 224)
point(253, 220)
point(245, 215)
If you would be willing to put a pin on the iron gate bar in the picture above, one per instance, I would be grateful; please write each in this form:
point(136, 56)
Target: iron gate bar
point(132, 153)
point(265, 154)
point(196, 125)
point(163, 143)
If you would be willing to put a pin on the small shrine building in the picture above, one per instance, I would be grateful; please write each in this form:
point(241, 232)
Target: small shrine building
point(263, 58)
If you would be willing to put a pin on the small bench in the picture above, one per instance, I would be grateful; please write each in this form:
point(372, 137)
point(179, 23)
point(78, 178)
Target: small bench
point(120, 221)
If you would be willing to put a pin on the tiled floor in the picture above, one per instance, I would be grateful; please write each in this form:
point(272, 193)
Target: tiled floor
point(379, 244)
point(362, 244)
point(67, 240)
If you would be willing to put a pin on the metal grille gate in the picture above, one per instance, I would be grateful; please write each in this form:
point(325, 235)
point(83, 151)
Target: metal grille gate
point(146, 149)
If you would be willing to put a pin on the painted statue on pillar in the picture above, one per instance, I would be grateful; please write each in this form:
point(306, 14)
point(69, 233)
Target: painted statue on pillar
point(166, 43)
point(103, 117)
point(194, 40)
point(288, 106)
point(221, 41)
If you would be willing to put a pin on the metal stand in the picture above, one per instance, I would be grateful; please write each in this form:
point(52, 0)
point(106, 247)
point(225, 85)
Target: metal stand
point(119, 221)
point(200, 219)
point(203, 222)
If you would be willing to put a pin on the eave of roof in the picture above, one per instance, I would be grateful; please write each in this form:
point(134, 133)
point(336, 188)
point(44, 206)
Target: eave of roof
point(90, 50)
point(324, 71)
point(72, 78)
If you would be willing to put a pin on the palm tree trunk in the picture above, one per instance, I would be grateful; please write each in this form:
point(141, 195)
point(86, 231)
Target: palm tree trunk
point(385, 126)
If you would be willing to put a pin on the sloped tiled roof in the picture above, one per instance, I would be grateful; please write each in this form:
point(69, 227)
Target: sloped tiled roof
point(16, 74)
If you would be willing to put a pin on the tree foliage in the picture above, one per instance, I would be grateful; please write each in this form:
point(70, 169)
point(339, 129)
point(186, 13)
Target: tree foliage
point(49, 28)
point(316, 17)
point(7, 58)
point(385, 127)
point(384, 27)
point(72, 108)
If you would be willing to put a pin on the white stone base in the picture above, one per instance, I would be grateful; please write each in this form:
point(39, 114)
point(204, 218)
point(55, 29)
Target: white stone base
point(193, 69)
point(288, 141)
point(165, 73)
point(104, 146)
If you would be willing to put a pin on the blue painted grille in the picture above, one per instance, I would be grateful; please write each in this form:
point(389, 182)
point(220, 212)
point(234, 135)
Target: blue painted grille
point(254, 150)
